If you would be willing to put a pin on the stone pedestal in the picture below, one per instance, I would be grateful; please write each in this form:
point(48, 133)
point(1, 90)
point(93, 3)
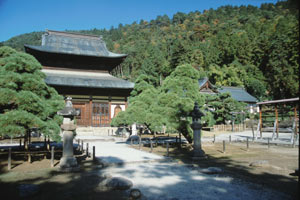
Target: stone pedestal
point(198, 153)
point(68, 162)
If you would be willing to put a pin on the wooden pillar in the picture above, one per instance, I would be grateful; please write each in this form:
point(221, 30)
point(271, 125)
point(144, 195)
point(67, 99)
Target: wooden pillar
point(109, 109)
point(276, 118)
point(126, 103)
point(260, 120)
point(90, 121)
point(295, 118)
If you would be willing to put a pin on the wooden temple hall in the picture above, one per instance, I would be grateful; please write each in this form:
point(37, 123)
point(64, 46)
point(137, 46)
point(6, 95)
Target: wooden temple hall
point(79, 66)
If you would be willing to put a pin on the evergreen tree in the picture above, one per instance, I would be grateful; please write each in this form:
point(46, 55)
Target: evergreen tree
point(25, 99)
point(221, 106)
point(179, 92)
point(265, 38)
point(143, 108)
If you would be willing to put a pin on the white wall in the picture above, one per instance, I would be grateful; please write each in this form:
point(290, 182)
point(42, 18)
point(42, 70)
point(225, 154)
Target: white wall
point(112, 111)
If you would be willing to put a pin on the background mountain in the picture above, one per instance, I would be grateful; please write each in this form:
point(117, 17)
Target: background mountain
point(255, 48)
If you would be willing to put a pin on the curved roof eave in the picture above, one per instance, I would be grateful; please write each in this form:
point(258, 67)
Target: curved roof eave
point(49, 50)
point(88, 81)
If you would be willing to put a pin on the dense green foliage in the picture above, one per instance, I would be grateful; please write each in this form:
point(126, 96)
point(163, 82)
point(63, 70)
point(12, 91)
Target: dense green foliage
point(256, 48)
point(25, 99)
point(169, 105)
point(166, 106)
point(246, 46)
point(221, 106)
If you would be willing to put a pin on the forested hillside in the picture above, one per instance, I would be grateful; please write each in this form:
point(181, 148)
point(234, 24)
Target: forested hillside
point(256, 48)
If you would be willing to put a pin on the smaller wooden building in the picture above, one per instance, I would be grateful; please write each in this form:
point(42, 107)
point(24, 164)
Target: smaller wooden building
point(79, 66)
point(237, 93)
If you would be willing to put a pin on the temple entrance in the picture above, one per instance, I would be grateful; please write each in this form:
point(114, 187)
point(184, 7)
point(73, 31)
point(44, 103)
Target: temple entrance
point(100, 114)
point(83, 118)
point(96, 114)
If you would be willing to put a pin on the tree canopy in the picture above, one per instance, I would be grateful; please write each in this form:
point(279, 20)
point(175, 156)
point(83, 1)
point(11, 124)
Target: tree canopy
point(25, 99)
point(246, 46)
point(256, 48)
point(166, 106)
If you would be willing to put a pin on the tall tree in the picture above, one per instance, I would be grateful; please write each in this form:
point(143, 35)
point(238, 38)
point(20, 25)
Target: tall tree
point(282, 67)
point(25, 99)
point(179, 92)
point(143, 108)
point(266, 38)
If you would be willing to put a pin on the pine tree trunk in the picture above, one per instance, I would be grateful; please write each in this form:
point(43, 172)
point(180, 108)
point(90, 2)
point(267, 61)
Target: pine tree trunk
point(26, 143)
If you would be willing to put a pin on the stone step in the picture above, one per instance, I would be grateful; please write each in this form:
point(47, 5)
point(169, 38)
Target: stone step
point(99, 131)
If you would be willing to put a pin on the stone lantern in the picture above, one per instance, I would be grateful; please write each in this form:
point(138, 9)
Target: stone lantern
point(68, 162)
point(196, 114)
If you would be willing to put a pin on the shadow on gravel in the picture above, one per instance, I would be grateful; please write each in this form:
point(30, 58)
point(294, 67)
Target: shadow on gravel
point(53, 184)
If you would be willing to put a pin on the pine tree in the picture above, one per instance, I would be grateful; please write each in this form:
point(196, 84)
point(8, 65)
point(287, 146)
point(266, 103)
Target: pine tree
point(179, 92)
point(25, 99)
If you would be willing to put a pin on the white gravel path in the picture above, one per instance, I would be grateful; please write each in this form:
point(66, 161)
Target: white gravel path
point(166, 181)
point(120, 153)
point(161, 180)
point(170, 180)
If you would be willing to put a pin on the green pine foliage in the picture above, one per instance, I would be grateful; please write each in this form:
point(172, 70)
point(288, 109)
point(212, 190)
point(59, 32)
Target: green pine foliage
point(221, 106)
point(224, 42)
point(246, 46)
point(167, 106)
point(143, 108)
point(25, 99)
point(179, 92)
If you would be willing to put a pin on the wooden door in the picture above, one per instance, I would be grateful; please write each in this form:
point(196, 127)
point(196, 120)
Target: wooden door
point(83, 119)
point(100, 114)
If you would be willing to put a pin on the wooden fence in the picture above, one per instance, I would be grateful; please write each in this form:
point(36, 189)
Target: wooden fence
point(223, 127)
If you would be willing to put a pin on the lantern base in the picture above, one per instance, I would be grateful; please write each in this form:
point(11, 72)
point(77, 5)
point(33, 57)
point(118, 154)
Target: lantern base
point(68, 164)
point(198, 154)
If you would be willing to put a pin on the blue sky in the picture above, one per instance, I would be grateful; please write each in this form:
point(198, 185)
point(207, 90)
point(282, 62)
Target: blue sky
point(25, 16)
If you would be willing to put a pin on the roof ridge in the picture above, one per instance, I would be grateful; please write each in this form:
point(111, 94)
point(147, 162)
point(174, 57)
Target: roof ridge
point(73, 34)
point(233, 87)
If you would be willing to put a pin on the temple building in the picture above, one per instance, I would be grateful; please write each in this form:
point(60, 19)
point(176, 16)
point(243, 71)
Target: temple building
point(237, 93)
point(79, 66)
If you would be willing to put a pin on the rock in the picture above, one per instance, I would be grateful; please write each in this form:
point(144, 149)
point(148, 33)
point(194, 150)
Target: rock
point(260, 163)
point(27, 190)
point(191, 165)
point(106, 175)
point(133, 138)
point(118, 183)
point(211, 170)
point(135, 194)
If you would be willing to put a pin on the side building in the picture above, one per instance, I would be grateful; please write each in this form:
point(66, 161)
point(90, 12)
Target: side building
point(79, 66)
point(237, 93)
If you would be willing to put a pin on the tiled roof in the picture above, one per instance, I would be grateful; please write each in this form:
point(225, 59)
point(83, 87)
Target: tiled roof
point(202, 82)
point(238, 94)
point(85, 79)
point(74, 43)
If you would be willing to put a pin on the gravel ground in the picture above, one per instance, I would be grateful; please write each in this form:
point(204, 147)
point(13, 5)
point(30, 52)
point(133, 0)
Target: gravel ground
point(161, 180)
point(166, 181)
point(284, 138)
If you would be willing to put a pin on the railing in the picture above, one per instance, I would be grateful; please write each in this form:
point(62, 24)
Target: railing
point(224, 127)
